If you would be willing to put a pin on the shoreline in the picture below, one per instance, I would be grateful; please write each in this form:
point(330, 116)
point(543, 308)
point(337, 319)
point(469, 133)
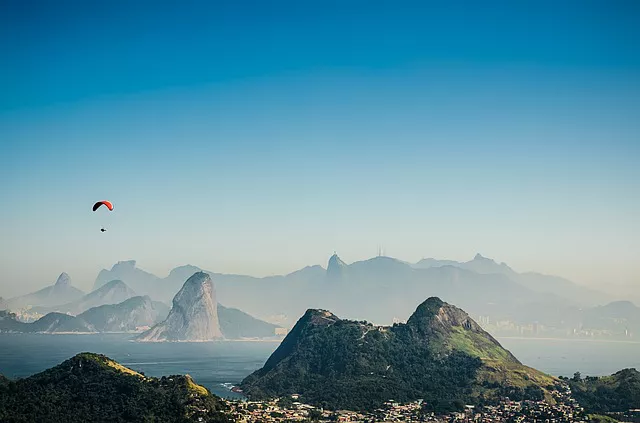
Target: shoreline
point(149, 342)
point(279, 340)
point(524, 338)
point(204, 341)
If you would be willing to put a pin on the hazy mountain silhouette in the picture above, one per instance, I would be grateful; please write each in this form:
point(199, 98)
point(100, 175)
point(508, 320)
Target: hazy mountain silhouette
point(236, 324)
point(129, 315)
point(59, 293)
point(126, 271)
point(126, 316)
point(380, 289)
point(537, 282)
point(113, 292)
point(50, 323)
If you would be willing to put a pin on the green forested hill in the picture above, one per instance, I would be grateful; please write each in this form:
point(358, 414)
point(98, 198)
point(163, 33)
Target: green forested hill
point(440, 355)
point(619, 392)
point(93, 388)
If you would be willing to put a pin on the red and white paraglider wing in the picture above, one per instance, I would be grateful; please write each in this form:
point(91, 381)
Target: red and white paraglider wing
point(105, 203)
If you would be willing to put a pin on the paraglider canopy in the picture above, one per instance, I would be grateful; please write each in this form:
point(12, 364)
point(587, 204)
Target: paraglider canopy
point(105, 203)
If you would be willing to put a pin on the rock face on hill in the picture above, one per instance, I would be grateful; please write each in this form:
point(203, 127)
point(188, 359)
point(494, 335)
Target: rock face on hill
point(336, 268)
point(193, 317)
point(440, 355)
point(93, 388)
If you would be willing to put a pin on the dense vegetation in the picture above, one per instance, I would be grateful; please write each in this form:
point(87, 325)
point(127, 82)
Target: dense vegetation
point(341, 364)
point(91, 387)
point(619, 392)
point(596, 418)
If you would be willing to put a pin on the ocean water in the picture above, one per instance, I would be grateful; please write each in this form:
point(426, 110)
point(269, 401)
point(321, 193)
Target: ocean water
point(565, 357)
point(211, 364)
point(220, 365)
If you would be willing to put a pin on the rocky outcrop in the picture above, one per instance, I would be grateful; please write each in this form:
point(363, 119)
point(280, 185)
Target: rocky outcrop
point(336, 268)
point(193, 317)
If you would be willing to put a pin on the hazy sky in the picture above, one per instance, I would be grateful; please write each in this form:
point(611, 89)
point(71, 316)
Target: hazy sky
point(259, 137)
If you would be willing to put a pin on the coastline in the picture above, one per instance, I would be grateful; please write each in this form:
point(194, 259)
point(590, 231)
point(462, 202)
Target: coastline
point(201, 341)
point(524, 338)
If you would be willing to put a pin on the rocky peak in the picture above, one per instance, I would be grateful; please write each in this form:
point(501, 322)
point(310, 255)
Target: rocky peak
point(480, 257)
point(63, 280)
point(198, 287)
point(124, 265)
point(194, 316)
point(318, 317)
point(336, 267)
point(434, 313)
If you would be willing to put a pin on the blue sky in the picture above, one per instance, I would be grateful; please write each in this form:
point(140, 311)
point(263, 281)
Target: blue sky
point(259, 137)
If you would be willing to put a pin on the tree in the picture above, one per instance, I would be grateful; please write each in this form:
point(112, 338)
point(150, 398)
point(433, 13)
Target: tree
point(315, 414)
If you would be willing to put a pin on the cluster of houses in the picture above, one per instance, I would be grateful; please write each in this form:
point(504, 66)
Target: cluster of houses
point(565, 410)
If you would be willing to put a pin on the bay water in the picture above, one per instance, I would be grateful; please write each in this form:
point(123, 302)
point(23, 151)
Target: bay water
point(220, 365)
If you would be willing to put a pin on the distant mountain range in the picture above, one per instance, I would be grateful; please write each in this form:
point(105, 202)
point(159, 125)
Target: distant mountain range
point(51, 323)
point(382, 289)
point(536, 282)
point(137, 279)
point(113, 292)
point(60, 292)
point(128, 315)
point(440, 355)
point(195, 315)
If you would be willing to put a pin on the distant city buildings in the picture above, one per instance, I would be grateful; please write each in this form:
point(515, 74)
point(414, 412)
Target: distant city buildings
point(506, 328)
